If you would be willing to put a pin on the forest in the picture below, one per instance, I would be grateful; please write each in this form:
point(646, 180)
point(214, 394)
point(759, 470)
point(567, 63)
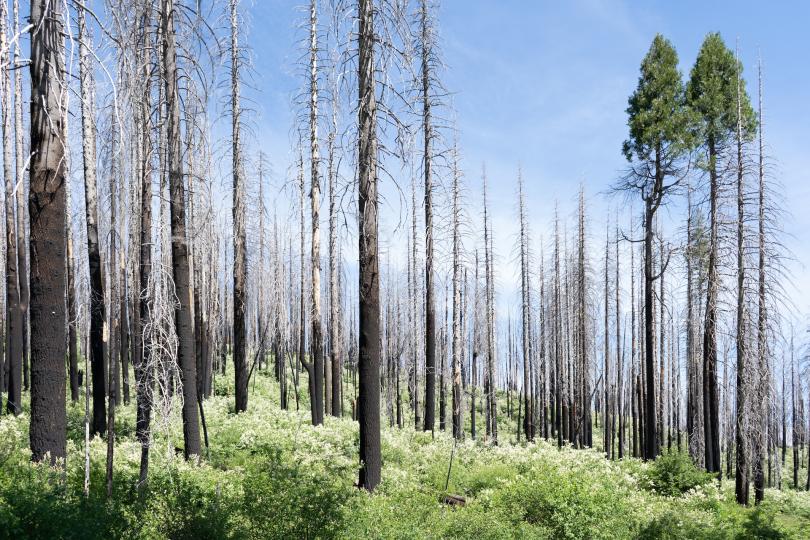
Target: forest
point(204, 339)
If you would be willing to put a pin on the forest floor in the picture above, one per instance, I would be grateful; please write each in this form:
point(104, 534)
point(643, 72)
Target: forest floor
point(269, 474)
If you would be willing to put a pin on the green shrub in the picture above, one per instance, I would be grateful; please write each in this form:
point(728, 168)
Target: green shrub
point(286, 500)
point(673, 474)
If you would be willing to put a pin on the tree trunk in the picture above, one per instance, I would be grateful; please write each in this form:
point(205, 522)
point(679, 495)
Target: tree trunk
point(489, 292)
point(742, 471)
point(430, 301)
point(650, 434)
point(180, 264)
point(98, 315)
point(239, 235)
point(369, 285)
point(458, 426)
point(46, 207)
point(13, 311)
point(711, 416)
point(315, 369)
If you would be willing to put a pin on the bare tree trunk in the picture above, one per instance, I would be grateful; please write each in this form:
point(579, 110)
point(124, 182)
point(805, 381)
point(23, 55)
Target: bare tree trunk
point(180, 264)
point(458, 426)
point(741, 477)
point(98, 316)
point(46, 206)
point(711, 417)
point(619, 356)
point(240, 367)
point(528, 427)
point(335, 339)
point(73, 357)
point(14, 318)
point(19, 195)
point(606, 423)
point(492, 406)
point(430, 301)
point(369, 285)
point(315, 365)
point(761, 433)
point(141, 360)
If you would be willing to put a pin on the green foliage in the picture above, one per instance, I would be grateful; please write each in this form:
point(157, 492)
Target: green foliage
point(712, 93)
point(285, 500)
point(270, 474)
point(658, 117)
point(673, 474)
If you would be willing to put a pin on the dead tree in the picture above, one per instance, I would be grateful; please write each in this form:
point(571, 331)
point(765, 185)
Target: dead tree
point(14, 338)
point(315, 365)
point(528, 425)
point(458, 426)
point(428, 136)
point(46, 206)
point(19, 194)
point(98, 314)
point(607, 424)
point(240, 366)
point(369, 285)
point(179, 243)
point(489, 292)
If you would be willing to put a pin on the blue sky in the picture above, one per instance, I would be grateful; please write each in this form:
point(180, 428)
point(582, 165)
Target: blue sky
point(544, 85)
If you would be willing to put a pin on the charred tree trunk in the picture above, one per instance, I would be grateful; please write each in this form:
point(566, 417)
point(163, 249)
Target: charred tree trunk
point(180, 264)
point(46, 207)
point(369, 285)
point(240, 367)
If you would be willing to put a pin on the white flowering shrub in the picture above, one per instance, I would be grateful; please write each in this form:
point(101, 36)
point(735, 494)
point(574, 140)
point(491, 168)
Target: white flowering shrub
point(269, 474)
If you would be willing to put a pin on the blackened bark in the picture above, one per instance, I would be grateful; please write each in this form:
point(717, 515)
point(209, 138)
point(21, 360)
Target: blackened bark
point(650, 431)
point(430, 301)
point(73, 357)
point(239, 237)
point(98, 334)
point(180, 265)
point(48, 240)
point(711, 409)
point(369, 302)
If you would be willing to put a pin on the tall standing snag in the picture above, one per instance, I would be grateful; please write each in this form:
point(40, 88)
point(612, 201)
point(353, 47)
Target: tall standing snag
point(15, 321)
point(315, 365)
point(239, 236)
point(48, 239)
point(180, 265)
point(369, 286)
point(430, 300)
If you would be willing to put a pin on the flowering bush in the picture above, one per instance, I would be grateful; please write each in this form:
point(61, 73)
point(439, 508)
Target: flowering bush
point(269, 474)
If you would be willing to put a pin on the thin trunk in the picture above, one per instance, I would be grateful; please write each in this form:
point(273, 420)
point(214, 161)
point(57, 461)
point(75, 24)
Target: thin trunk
point(316, 362)
point(427, 160)
point(240, 366)
point(14, 321)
